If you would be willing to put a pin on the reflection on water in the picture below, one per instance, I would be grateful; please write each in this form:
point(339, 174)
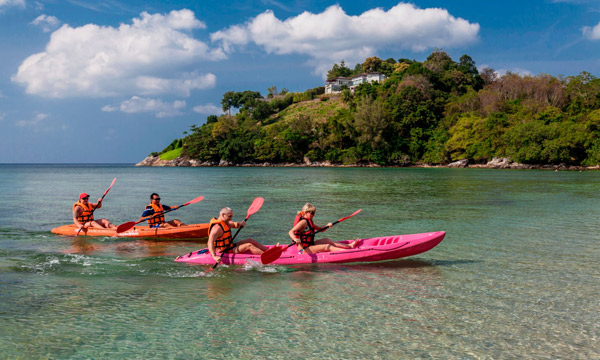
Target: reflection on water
point(515, 277)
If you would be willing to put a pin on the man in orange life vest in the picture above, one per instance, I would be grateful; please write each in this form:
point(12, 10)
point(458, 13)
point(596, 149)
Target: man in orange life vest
point(219, 237)
point(83, 217)
point(157, 211)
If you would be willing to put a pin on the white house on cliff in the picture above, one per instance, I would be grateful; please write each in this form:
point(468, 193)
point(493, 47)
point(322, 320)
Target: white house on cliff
point(335, 85)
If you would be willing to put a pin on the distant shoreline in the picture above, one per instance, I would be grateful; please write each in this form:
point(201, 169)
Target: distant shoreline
point(496, 163)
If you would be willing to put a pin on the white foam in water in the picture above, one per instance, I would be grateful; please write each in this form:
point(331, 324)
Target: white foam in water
point(256, 265)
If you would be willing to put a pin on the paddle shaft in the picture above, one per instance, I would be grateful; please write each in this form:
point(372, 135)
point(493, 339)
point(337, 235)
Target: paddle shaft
point(98, 204)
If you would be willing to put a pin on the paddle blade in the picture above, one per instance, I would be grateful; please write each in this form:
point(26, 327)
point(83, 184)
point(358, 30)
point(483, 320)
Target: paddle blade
point(349, 216)
point(256, 205)
point(125, 226)
point(111, 185)
point(198, 199)
point(271, 254)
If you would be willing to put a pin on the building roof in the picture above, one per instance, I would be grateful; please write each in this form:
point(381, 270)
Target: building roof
point(354, 76)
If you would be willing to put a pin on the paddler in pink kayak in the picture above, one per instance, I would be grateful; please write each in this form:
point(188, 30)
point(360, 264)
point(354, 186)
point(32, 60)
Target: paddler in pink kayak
point(303, 233)
point(83, 214)
point(220, 240)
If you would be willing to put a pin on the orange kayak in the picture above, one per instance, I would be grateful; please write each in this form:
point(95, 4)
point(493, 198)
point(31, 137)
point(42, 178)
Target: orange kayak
point(192, 231)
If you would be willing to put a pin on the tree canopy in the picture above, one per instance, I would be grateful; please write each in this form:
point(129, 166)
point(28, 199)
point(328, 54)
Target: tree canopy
point(435, 111)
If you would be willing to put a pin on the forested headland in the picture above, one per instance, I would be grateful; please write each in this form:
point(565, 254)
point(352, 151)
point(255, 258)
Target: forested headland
point(432, 112)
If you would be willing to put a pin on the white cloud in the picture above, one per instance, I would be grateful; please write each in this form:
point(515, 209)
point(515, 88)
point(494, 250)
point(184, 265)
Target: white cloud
point(137, 105)
point(37, 119)
point(592, 33)
point(145, 57)
point(7, 3)
point(47, 23)
point(150, 85)
point(333, 35)
point(208, 109)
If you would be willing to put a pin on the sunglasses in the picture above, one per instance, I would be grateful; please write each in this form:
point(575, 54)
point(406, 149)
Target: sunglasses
point(156, 199)
point(85, 198)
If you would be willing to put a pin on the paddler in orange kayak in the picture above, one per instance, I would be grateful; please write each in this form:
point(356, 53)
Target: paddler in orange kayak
point(83, 215)
point(157, 211)
point(220, 240)
point(303, 233)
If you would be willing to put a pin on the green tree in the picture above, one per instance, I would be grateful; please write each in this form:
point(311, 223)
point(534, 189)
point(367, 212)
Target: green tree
point(338, 71)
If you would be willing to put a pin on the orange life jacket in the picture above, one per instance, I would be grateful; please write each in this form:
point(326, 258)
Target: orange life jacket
point(307, 236)
point(224, 242)
point(87, 214)
point(158, 217)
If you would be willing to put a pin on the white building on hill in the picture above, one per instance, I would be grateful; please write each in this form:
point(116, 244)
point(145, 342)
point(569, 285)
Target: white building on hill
point(335, 85)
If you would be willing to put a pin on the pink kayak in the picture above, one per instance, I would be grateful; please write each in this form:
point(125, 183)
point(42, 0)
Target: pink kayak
point(373, 249)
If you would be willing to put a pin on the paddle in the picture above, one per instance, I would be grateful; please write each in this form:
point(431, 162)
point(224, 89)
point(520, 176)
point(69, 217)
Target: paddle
point(254, 207)
point(128, 225)
point(275, 252)
point(94, 209)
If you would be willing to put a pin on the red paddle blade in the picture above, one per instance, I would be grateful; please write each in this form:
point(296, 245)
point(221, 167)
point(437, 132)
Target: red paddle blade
point(125, 226)
point(271, 254)
point(256, 205)
point(198, 199)
point(349, 216)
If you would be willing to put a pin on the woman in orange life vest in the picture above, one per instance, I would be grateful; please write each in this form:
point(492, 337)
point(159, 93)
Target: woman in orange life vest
point(219, 237)
point(157, 211)
point(83, 217)
point(303, 233)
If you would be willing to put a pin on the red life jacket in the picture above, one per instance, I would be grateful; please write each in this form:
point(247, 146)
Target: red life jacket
point(158, 217)
point(307, 236)
point(224, 242)
point(86, 215)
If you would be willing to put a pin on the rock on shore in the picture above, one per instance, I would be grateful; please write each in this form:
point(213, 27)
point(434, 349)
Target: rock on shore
point(495, 163)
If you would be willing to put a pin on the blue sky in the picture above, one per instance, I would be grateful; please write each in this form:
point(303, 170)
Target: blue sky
point(85, 81)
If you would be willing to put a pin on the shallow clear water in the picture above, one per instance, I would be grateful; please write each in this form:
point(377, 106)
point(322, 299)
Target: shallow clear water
point(517, 275)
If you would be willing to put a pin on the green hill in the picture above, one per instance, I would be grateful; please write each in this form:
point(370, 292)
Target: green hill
point(436, 112)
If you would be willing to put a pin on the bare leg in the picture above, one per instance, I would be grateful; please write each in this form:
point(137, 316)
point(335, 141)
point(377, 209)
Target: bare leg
point(107, 224)
point(101, 224)
point(327, 245)
point(175, 222)
point(251, 245)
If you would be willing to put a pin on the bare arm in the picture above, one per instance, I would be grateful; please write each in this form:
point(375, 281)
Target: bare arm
point(215, 232)
point(298, 227)
point(235, 225)
point(76, 212)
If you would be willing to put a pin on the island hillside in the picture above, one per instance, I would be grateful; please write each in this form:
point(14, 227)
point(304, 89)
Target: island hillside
point(436, 112)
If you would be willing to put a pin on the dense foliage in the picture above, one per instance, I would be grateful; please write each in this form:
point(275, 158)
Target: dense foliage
point(436, 111)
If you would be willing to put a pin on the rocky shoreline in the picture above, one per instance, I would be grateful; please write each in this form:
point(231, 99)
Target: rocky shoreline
point(496, 163)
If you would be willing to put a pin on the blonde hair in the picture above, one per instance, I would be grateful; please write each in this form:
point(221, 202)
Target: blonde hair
point(308, 207)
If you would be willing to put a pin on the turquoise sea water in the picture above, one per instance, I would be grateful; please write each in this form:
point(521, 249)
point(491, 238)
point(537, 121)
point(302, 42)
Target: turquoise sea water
point(517, 275)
